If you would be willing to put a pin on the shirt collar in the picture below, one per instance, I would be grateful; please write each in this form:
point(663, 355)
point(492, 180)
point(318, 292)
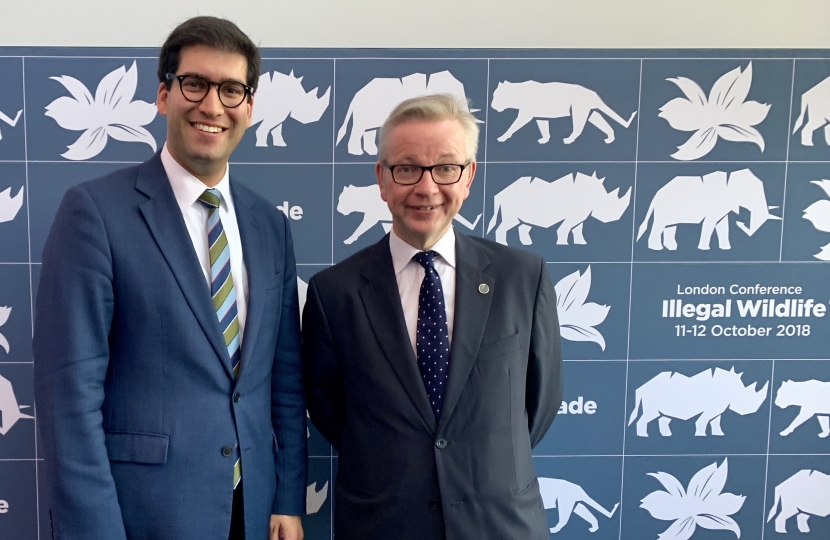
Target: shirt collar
point(186, 187)
point(402, 252)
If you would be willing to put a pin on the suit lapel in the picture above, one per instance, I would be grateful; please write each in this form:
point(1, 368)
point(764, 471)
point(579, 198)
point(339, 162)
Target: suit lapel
point(165, 221)
point(253, 249)
point(383, 308)
point(472, 309)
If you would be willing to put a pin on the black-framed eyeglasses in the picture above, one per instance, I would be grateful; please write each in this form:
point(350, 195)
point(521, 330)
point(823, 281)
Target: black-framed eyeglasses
point(442, 174)
point(195, 88)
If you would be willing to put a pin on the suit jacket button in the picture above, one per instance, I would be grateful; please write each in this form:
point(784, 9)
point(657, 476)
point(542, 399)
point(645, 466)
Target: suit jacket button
point(441, 443)
point(227, 451)
point(236, 397)
point(433, 505)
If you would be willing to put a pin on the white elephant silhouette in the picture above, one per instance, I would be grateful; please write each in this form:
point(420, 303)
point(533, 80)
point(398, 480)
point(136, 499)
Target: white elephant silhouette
point(367, 200)
point(372, 104)
point(706, 200)
point(814, 399)
point(9, 121)
point(706, 395)
point(555, 100)
point(570, 199)
point(570, 498)
point(278, 97)
point(803, 494)
point(815, 103)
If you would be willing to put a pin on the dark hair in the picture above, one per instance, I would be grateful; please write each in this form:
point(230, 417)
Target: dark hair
point(220, 34)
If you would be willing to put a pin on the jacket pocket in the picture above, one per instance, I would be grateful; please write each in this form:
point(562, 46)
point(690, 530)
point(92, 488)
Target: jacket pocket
point(273, 281)
point(500, 347)
point(137, 447)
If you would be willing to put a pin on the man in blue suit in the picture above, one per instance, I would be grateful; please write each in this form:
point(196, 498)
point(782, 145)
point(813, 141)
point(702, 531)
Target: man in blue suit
point(167, 351)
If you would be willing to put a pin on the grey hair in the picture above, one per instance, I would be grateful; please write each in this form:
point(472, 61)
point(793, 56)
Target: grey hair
point(432, 108)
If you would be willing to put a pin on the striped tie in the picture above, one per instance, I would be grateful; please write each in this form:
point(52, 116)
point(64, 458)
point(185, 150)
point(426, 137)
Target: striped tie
point(222, 290)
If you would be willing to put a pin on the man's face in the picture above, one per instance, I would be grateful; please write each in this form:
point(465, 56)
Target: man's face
point(201, 136)
point(423, 212)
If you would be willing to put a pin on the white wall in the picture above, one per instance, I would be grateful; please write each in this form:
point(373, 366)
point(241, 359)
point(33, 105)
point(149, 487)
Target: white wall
point(432, 23)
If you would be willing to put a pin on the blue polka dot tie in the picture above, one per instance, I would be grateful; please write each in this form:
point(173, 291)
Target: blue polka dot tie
point(432, 335)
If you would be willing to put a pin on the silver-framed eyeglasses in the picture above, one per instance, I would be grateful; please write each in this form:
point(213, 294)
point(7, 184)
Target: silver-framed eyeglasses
point(442, 174)
point(195, 88)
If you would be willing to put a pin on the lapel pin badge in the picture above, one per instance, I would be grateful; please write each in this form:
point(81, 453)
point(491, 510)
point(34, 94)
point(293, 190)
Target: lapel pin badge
point(484, 288)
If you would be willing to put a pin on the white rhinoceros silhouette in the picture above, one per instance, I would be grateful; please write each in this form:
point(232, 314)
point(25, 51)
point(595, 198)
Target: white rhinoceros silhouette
point(707, 395)
point(9, 408)
point(814, 399)
point(571, 199)
point(367, 200)
point(555, 100)
point(372, 104)
point(803, 494)
point(815, 103)
point(279, 96)
point(570, 498)
point(706, 200)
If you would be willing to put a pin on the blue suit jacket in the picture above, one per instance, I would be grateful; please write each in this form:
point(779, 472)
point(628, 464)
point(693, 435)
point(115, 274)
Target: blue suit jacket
point(135, 394)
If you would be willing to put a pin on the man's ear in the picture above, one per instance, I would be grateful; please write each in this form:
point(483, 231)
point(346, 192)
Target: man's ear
point(161, 99)
point(250, 111)
point(472, 168)
point(381, 182)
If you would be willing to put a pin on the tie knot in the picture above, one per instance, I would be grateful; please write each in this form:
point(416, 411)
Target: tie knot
point(211, 198)
point(425, 258)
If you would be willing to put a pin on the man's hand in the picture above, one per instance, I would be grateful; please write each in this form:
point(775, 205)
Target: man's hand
point(286, 527)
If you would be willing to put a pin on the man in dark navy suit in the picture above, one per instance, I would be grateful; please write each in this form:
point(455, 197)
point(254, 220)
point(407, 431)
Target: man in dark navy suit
point(432, 358)
point(167, 349)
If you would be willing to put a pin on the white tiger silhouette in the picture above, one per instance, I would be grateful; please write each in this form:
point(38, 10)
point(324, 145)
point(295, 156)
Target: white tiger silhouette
point(555, 100)
point(814, 399)
point(570, 498)
point(803, 494)
point(366, 199)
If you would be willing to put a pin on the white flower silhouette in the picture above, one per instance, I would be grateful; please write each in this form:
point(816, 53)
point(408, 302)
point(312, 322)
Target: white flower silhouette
point(724, 114)
point(702, 503)
point(9, 121)
point(576, 318)
point(111, 114)
point(818, 214)
point(314, 499)
point(10, 206)
point(5, 311)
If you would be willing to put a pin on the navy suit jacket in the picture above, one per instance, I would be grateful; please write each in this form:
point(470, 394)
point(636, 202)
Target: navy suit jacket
point(136, 399)
point(400, 474)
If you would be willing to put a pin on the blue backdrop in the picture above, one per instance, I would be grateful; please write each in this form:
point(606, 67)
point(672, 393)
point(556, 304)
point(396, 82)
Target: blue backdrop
point(681, 199)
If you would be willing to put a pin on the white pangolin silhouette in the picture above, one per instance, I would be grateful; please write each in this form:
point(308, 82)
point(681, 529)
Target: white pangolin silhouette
point(10, 206)
point(367, 200)
point(569, 498)
point(813, 398)
point(9, 408)
point(279, 96)
point(818, 214)
point(372, 104)
point(706, 200)
point(815, 105)
point(804, 494)
point(570, 200)
point(706, 395)
point(314, 499)
point(555, 100)
point(9, 121)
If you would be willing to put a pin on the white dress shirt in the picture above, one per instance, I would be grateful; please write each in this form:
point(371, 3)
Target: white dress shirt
point(409, 275)
point(187, 189)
